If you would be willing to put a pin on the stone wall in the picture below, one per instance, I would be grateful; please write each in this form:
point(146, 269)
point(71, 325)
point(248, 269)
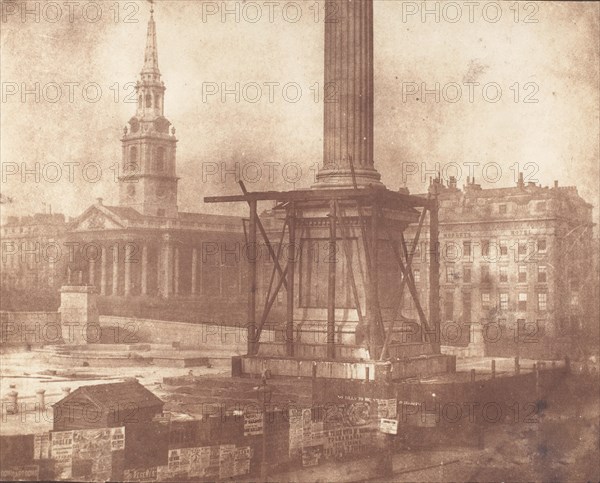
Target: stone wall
point(29, 329)
point(133, 330)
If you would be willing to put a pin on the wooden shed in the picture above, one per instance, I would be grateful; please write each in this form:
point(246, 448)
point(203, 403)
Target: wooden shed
point(106, 405)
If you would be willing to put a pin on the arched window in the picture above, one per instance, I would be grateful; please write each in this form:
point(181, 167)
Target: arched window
point(133, 155)
point(140, 101)
point(157, 100)
point(159, 161)
point(148, 100)
point(130, 190)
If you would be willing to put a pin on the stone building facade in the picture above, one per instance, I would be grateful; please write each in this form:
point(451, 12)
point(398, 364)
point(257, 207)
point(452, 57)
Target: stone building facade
point(515, 274)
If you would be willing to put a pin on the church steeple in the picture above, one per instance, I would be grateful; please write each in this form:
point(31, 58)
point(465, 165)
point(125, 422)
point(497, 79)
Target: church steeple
point(151, 55)
point(149, 182)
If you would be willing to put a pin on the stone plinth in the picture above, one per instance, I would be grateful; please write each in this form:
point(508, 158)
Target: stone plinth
point(362, 239)
point(79, 314)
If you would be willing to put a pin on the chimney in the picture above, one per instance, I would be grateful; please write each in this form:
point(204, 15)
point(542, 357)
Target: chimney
point(452, 182)
point(99, 200)
point(556, 183)
point(520, 183)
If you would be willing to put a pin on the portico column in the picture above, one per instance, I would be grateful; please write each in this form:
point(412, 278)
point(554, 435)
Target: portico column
point(194, 264)
point(127, 261)
point(92, 272)
point(176, 271)
point(115, 252)
point(103, 271)
point(167, 267)
point(144, 269)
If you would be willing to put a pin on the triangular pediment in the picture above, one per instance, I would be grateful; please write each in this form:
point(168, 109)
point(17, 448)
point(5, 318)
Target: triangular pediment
point(98, 218)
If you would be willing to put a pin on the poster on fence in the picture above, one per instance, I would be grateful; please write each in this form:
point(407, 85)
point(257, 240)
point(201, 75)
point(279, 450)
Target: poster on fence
point(386, 408)
point(253, 423)
point(117, 439)
point(61, 451)
point(311, 455)
point(41, 446)
point(141, 475)
point(20, 473)
point(227, 461)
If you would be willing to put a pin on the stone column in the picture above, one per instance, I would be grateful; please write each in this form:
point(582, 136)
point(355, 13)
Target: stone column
point(176, 270)
point(127, 262)
point(115, 274)
point(167, 267)
point(145, 269)
point(103, 271)
point(348, 95)
point(194, 268)
point(92, 272)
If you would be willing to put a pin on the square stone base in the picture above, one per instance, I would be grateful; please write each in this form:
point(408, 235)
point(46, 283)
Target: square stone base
point(281, 366)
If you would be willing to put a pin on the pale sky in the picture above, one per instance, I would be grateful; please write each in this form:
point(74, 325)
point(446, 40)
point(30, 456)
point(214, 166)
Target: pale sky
point(553, 61)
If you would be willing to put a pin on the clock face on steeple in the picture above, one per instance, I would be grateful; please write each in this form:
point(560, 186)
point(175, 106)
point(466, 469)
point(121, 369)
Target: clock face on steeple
point(135, 124)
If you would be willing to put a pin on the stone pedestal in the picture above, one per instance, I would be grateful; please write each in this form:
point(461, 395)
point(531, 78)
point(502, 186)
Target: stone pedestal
point(476, 347)
point(79, 314)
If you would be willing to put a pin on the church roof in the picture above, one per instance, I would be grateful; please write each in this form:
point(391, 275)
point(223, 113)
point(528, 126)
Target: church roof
point(126, 213)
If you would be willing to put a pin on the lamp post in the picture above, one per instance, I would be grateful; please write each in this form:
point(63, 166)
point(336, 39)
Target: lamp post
point(264, 397)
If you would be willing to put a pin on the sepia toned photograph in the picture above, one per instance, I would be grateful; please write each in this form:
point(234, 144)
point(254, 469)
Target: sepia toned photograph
point(311, 241)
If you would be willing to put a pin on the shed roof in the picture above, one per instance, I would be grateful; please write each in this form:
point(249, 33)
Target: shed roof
point(121, 393)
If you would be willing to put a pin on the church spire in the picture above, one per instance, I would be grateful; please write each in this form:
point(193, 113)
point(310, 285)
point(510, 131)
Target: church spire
point(151, 54)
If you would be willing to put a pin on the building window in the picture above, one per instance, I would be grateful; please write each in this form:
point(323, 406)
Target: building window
point(485, 248)
point(503, 275)
point(541, 245)
point(522, 249)
point(503, 301)
point(466, 300)
point(503, 249)
point(522, 301)
point(467, 249)
point(502, 209)
point(417, 275)
point(485, 300)
point(467, 274)
point(130, 190)
point(450, 274)
point(133, 155)
point(542, 274)
point(159, 161)
point(449, 305)
point(542, 301)
point(148, 100)
point(485, 274)
point(522, 273)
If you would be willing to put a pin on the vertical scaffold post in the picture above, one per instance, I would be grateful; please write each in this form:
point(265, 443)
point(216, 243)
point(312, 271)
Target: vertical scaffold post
point(251, 251)
point(289, 330)
point(434, 273)
point(331, 282)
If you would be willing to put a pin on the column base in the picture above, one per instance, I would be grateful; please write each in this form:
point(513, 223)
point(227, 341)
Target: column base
point(342, 178)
